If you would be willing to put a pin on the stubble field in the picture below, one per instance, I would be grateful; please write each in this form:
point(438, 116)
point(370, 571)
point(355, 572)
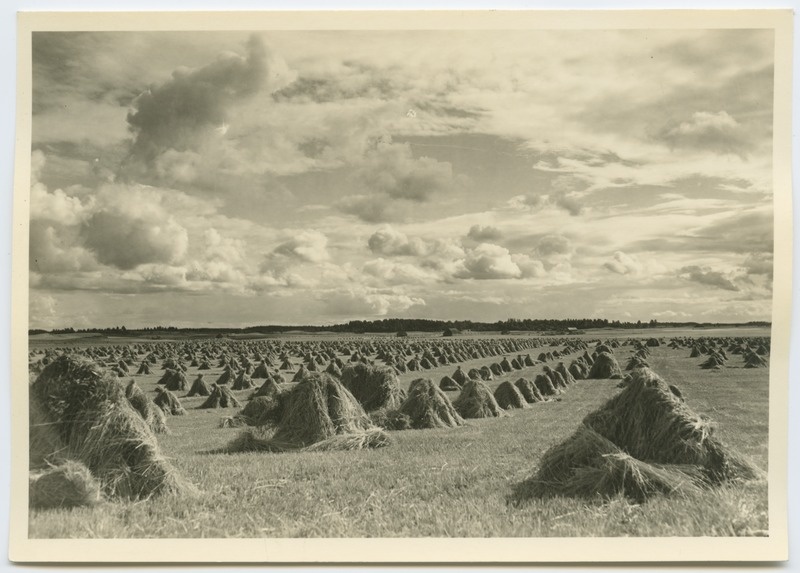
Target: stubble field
point(435, 482)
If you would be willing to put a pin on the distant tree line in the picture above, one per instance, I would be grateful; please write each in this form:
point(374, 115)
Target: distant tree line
point(394, 325)
point(109, 330)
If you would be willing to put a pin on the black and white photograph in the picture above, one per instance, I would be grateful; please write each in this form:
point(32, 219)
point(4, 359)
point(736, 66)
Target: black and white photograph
point(510, 279)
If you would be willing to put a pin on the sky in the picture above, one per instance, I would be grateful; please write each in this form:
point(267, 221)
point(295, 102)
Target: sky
point(246, 178)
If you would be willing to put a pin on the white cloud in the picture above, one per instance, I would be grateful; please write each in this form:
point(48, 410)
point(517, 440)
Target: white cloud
point(488, 261)
point(42, 310)
point(392, 181)
point(304, 246)
point(391, 242)
point(717, 131)
point(130, 226)
point(57, 206)
point(484, 233)
point(623, 264)
point(55, 250)
point(396, 273)
point(357, 301)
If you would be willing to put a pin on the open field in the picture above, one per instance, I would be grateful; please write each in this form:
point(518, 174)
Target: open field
point(437, 482)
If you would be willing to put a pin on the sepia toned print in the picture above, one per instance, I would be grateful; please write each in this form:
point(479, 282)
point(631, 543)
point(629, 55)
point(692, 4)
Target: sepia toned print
point(416, 283)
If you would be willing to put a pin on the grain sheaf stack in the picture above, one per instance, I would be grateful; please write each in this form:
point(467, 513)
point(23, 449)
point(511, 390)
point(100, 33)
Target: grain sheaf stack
point(81, 416)
point(318, 414)
point(643, 441)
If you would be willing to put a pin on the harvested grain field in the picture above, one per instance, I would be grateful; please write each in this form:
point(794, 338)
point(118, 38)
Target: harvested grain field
point(452, 481)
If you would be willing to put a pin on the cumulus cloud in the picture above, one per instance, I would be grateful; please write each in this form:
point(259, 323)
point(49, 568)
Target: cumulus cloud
point(568, 202)
point(125, 241)
point(759, 264)
point(707, 276)
point(372, 208)
point(445, 260)
point(191, 103)
point(392, 169)
point(272, 280)
point(178, 166)
point(57, 206)
point(304, 246)
point(714, 131)
point(528, 267)
point(550, 245)
point(42, 310)
point(390, 242)
point(393, 180)
point(215, 271)
point(488, 261)
point(133, 225)
point(556, 199)
point(54, 250)
point(669, 314)
point(357, 301)
point(163, 275)
point(398, 273)
point(623, 264)
point(222, 261)
point(217, 247)
point(484, 233)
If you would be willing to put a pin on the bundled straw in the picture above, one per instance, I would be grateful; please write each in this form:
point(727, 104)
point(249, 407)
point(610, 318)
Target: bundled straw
point(508, 396)
point(67, 485)
point(260, 411)
point(753, 360)
point(605, 366)
point(544, 385)
point(448, 384)
point(643, 441)
point(374, 387)
point(477, 401)
point(317, 409)
point(199, 387)
point(168, 403)
point(220, 397)
point(428, 407)
point(89, 419)
point(149, 412)
point(243, 382)
point(528, 390)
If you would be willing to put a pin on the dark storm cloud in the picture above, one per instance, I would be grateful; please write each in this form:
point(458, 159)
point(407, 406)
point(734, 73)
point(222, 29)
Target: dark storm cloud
point(174, 114)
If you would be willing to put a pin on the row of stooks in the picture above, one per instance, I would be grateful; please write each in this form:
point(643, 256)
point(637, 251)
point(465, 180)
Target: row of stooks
point(93, 437)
